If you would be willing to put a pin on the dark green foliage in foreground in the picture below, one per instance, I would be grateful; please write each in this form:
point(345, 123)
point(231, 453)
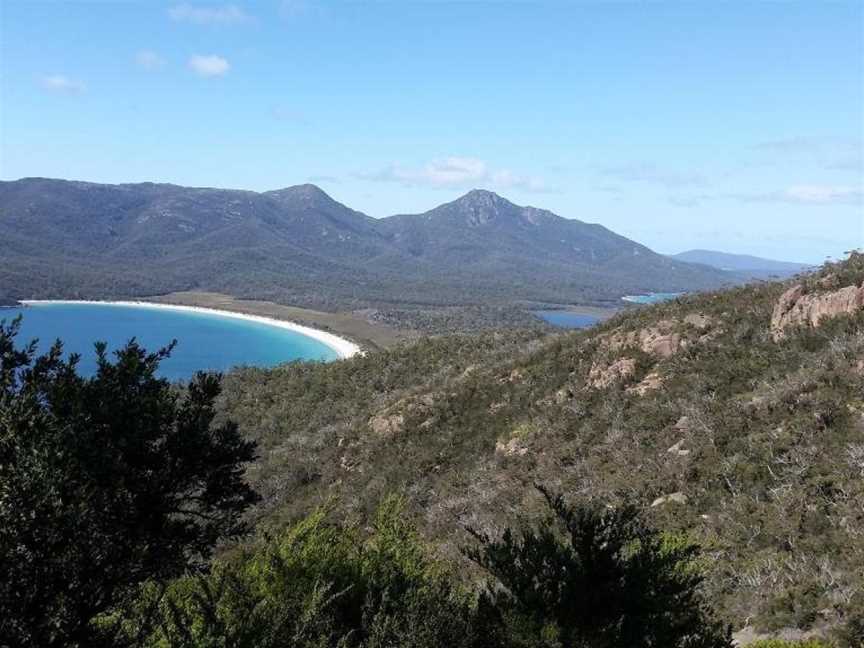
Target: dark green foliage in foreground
point(105, 482)
point(322, 584)
point(594, 578)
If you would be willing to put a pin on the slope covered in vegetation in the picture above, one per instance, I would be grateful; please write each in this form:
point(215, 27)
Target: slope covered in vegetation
point(691, 410)
point(298, 246)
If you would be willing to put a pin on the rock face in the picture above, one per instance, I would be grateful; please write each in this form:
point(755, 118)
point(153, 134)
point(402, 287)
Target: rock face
point(797, 308)
point(602, 376)
point(672, 498)
point(512, 448)
point(392, 420)
point(698, 320)
point(387, 425)
point(649, 383)
point(659, 340)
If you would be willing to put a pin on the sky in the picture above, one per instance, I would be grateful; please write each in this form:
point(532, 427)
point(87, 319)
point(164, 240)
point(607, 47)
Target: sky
point(733, 126)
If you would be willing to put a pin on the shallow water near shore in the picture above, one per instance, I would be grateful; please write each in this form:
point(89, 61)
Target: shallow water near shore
point(205, 341)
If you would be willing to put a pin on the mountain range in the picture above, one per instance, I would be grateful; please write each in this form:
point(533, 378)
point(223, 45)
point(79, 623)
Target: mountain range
point(749, 267)
point(297, 245)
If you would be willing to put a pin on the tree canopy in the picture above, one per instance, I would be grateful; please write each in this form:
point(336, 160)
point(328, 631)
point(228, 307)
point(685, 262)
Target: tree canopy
point(105, 481)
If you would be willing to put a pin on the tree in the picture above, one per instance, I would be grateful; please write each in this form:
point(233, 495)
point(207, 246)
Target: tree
point(105, 482)
point(591, 577)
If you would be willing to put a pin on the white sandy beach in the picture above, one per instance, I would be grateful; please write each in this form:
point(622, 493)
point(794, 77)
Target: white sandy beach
point(344, 348)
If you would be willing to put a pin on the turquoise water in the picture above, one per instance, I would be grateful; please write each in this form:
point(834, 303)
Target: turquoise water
point(565, 319)
point(204, 341)
point(651, 298)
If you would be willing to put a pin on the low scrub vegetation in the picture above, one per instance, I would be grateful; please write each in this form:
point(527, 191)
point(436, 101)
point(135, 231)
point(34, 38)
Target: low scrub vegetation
point(713, 479)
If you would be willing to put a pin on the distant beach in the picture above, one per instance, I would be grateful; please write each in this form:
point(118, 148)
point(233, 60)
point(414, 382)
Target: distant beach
point(343, 348)
point(651, 298)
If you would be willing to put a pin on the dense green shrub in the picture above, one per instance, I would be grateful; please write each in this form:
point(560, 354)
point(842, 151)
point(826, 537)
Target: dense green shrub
point(592, 577)
point(614, 583)
point(319, 584)
point(105, 482)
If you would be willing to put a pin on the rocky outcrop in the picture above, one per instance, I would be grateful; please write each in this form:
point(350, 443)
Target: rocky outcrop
point(392, 420)
point(660, 340)
point(512, 448)
point(679, 449)
point(796, 307)
point(671, 498)
point(601, 376)
point(649, 383)
point(387, 425)
point(699, 321)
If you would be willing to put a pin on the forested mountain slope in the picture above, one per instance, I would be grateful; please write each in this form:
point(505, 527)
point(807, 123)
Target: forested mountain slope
point(734, 417)
point(297, 245)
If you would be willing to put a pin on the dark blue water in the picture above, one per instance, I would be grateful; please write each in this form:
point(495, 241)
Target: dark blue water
point(565, 319)
point(651, 298)
point(204, 341)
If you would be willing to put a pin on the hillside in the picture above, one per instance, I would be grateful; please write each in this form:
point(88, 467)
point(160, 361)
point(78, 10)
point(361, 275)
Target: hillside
point(748, 266)
point(299, 246)
point(734, 417)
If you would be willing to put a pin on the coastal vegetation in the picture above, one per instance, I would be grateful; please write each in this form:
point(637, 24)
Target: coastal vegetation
point(690, 409)
point(679, 469)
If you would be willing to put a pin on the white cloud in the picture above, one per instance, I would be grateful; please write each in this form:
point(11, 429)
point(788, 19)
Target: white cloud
point(209, 66)
point(456, 172)
point(809, 195)
point(209, 14)
point(62, 84)
point(149, 60)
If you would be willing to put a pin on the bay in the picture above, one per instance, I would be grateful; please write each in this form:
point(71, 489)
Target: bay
point(205, 341)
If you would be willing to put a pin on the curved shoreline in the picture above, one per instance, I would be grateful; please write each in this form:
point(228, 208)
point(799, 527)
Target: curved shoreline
point(343, 348)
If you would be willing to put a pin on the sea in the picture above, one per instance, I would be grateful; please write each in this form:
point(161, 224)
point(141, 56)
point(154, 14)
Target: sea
point(205, 341)
point(565, 319)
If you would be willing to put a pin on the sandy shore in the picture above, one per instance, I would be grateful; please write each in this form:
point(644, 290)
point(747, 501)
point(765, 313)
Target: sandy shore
point(344, 348)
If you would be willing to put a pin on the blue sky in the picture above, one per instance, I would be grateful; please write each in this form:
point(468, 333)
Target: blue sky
point(736, 126)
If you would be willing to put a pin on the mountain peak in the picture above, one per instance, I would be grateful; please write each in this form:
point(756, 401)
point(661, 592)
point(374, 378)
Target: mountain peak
point(482, 198)
point(480, 206)
point(304, 196)
point(303, 192)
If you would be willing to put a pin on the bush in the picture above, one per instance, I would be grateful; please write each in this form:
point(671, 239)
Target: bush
point(592, 577)
point(319, 584)
point(105, 482)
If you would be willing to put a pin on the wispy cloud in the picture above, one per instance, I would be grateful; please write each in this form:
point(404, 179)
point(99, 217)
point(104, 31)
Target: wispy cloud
point(209, 65)
point(809, 195)
point(653, 174)
point(62, 84)
point(830, 152)
point(209, 14)
point(149, 60)
point(457, 172)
